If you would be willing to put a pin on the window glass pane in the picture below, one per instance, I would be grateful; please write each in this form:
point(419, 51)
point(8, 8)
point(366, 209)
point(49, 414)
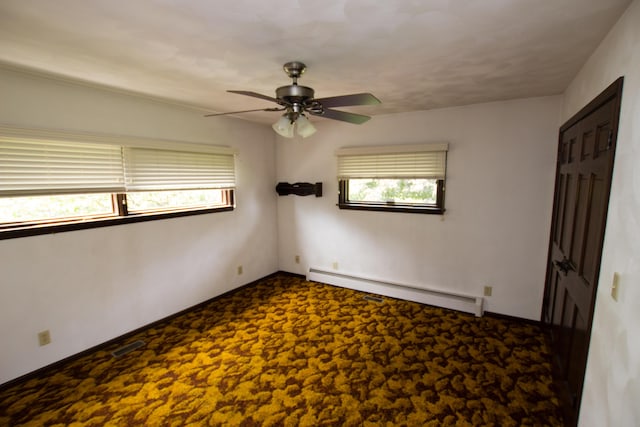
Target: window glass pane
point(37, 208)
point(423, 191)
point(180, 199)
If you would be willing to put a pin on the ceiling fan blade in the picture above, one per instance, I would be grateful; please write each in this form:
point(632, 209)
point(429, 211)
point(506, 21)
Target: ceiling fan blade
point(244, 111)
point(345, 100)
point(356, 119)
point(254, 94)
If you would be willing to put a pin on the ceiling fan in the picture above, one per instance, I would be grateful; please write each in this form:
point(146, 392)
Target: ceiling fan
point(296, 100)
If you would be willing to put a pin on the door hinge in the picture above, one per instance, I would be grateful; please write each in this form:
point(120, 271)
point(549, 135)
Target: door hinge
point(610, 139)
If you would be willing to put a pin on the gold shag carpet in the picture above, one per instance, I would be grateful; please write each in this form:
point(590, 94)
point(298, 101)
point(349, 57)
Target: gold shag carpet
point(287, 352)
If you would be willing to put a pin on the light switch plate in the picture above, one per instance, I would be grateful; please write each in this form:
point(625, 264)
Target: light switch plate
point(615, 285)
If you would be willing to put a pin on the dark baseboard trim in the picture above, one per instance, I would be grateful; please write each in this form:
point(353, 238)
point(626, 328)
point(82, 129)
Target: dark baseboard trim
point(287, 273)
point(57, 364)
point(513, 318)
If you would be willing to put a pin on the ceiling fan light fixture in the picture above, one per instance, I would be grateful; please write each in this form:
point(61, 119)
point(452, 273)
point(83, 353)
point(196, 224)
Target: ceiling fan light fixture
point(284, 126)
point(304, 126)
point(296, 100)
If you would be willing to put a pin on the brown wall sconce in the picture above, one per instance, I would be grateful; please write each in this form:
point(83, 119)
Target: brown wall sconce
point(299, 189)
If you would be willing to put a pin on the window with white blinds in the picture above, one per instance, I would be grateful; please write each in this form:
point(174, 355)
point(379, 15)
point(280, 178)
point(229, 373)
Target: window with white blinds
point(401, 161)
point(151, 169)
point(32, 167)
point(395, 178)
point(56, 181)
point(37, 165)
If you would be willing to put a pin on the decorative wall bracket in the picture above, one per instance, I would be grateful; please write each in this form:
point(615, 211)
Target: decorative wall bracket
point(299, 189)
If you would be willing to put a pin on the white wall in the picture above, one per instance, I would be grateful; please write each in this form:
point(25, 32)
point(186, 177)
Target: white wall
point(612, 384)
point(89, 286)
point(500, 176)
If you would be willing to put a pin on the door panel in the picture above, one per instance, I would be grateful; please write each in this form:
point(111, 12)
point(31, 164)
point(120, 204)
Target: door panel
point(579, 346)
point(583, 179)
point(569, 214)
point(563, 342)
point(595, 213)
point(560, 203)
point(577, 244)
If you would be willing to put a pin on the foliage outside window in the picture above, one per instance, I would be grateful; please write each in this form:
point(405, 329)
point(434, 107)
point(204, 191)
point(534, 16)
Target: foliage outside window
point(53, 181)
point(403, 178)
point(150, 201)
point(19, 210)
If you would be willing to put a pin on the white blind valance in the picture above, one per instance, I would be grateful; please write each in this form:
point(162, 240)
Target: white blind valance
point(31, 163)
point(401, 161)
point(150, 169)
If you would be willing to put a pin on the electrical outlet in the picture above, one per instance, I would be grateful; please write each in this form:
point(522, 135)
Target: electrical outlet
point(239, 270)
point(488, 290)
point(44, 337)
point(335, 265)
point(297, 258)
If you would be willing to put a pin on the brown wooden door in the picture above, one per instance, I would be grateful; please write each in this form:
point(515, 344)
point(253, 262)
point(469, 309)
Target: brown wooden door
point(583, 179)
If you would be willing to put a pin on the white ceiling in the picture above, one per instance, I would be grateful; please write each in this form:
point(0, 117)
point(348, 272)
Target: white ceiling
point(412, 54)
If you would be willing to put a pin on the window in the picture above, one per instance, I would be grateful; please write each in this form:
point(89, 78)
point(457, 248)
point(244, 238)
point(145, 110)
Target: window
point(402, 178)
point(157, 201)
point(53, 181)
point(55, 207)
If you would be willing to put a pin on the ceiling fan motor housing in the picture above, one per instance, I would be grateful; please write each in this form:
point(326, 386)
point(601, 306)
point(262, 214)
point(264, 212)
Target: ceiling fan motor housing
point(294, 94)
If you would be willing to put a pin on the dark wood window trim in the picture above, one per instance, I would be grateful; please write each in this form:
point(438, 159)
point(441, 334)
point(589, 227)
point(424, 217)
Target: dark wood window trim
point(120, 204)
point(345, 203)
point(120, 216)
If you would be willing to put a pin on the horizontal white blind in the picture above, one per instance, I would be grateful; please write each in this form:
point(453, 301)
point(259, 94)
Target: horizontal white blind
point(151, 169)
point(40, 167)
point(406, 161)
point(47, 162)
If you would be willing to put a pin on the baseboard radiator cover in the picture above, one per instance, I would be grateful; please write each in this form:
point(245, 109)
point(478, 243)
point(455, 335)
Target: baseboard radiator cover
point(455, 301)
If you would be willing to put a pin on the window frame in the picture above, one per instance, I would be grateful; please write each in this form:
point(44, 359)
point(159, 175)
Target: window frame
point(394, 162)
point(119, 216)
point(63, 140)
point(437, 209)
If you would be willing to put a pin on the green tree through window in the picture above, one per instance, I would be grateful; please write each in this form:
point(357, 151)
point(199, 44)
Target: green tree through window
point(423, 191)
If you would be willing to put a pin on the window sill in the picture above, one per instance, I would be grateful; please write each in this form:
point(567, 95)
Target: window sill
point(85, 224)
point(433, 210)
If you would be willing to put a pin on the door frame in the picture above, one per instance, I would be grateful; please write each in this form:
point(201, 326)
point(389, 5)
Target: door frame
point(612, 91)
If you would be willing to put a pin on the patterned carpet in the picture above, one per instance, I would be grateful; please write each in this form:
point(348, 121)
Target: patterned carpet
point(286, 352)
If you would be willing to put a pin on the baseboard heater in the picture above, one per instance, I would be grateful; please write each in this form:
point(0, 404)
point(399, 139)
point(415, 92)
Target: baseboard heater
point(466, 303)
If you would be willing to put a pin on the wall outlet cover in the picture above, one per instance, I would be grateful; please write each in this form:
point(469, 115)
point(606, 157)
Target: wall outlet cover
point(44, 338)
